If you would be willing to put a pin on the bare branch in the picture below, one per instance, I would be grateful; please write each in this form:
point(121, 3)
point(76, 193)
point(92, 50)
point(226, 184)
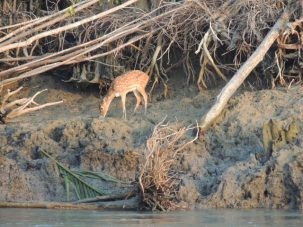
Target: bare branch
point(18, 112)
point(64, 28)
point(6, 97)
point(7, 111)
point(42, 22)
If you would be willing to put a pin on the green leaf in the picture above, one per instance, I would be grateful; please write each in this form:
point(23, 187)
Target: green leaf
point(71, 11)
point(67, 182)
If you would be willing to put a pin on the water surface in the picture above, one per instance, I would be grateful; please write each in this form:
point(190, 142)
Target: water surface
point(211, 218)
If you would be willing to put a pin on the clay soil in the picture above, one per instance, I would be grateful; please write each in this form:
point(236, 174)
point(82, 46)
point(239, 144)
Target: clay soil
point(223, 169)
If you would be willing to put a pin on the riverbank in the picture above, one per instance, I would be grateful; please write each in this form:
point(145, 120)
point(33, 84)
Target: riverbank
point(227, 168)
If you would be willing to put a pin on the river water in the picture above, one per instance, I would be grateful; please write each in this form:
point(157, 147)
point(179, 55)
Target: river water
point(220, 217)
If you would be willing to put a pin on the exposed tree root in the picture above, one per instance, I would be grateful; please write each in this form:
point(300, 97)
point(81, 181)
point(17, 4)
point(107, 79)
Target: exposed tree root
point(156, 76)
point(206, 59)
point(158, 180)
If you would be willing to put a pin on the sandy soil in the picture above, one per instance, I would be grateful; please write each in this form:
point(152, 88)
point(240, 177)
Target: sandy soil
point(228, 168)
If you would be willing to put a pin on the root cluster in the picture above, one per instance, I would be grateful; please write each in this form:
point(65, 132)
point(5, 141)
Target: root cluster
point(159, 180)
point(209, 39)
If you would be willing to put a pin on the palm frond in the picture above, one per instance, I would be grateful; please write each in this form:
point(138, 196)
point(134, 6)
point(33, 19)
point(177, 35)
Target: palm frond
point(83, 190)
point(99, 175)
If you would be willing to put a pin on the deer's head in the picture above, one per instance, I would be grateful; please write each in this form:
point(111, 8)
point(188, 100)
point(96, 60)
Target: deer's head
point(104, 105)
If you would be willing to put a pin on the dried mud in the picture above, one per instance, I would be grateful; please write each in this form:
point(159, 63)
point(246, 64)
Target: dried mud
point(227, 168)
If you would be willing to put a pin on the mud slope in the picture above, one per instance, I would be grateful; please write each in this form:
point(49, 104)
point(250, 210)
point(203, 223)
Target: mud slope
point(229, 168)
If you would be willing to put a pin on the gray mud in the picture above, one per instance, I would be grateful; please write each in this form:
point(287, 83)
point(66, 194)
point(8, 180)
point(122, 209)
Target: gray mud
point(226, 168)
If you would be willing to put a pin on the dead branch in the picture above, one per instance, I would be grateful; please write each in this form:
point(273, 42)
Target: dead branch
point(210, 58)
point(245, 70)
point(8, 109)
point(64, 28)
point(70, 60)
point(37, 24)
point(76, 54)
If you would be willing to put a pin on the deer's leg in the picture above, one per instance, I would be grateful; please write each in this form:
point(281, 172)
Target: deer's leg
point(123, 98)
point(143, 93)
point(139, 100)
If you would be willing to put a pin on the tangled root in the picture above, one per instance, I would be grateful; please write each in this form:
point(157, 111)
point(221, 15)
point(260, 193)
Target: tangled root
point(159, 181)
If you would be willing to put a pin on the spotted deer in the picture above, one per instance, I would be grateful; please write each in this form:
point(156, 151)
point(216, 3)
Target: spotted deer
point(134, 81)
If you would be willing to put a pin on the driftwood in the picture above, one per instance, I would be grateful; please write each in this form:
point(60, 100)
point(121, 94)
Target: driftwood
point(48, 205)
point(130, 204)
point(244, 71)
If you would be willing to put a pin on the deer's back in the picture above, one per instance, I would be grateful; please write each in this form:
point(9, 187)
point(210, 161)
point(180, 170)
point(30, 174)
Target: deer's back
point(130, 81)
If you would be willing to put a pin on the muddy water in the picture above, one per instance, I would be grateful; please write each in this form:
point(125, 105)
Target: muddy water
point(226, 217)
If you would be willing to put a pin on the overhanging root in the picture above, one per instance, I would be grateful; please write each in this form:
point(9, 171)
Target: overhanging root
point(206, 59)
point(156, 76)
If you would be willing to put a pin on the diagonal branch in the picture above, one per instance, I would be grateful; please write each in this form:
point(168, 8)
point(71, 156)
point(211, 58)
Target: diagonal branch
point(64, 28)
point(42, 22)
point(245, 70)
